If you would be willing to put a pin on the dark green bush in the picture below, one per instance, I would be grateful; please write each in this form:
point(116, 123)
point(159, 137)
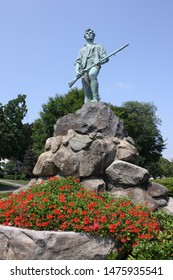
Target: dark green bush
point(160, 248)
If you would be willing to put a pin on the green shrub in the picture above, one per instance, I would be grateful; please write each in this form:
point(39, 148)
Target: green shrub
point(160, 248)
point(12, 177)
point(168, 183)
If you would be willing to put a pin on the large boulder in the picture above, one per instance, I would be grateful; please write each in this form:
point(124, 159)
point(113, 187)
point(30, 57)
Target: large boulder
point(140, 196)
point(157, 191)
point(127, 151)
point(92, 117)
point(24, 244)
point(121, 173)
point(45, 166)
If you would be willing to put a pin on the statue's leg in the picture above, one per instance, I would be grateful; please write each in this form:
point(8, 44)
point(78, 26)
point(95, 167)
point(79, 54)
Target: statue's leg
point(93, 73)
point(87, 88)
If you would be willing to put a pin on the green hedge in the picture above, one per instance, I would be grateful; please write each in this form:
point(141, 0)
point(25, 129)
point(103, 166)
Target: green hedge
point(13, 177)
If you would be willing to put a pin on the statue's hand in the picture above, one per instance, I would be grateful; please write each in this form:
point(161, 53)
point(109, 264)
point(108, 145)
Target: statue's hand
point(80, 74)
point(99, 62)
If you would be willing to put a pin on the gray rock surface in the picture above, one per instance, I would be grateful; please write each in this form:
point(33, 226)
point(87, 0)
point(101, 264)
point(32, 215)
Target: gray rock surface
point(95, 185)
point(169, 207)
point(45, 166)
point(92, 117)
point(157, 191)
point(23, 244)
point(127, 152)
point(140, 196)
point(126, 174)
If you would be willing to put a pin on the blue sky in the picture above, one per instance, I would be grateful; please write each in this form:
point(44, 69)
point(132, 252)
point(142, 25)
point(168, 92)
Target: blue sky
point(40, 40)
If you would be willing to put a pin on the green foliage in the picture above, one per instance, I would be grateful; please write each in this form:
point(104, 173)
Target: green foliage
point(63, 204)
point(10, 167)
point(161, 248)
point(14, 135)
point(55, 108)
point(29, 162)
point(141, 123)
point(166, 168)
point(13, 170)
point(168, 183)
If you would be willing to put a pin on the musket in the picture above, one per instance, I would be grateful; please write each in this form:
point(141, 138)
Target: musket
point(95, 64)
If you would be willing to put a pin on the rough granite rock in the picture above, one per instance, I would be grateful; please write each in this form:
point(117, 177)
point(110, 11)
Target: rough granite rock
point(157, 191)
point(92, 117)
point(93, 184)
point(97, 158)
point(45, 165)
point(126, 174)
point(127, 152)
point(169, 207)
point(140, 196)
point(24, 244)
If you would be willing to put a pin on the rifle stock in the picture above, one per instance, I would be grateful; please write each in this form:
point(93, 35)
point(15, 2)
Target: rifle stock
point(71, 83)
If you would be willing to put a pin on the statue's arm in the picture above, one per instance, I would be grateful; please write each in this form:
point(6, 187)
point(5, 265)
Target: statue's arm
point(102, 55)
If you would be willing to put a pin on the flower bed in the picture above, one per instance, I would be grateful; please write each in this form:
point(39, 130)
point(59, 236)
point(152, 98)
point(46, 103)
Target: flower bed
point(64, 205)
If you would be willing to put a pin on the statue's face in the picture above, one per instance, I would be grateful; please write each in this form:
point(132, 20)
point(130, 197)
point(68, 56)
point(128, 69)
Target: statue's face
point(89, 35)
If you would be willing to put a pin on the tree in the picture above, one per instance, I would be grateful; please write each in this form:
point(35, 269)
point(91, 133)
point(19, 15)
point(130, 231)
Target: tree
point(141, 122)
point(166, 167)
point(56, 107)
point(29, 162)
point(15, 137)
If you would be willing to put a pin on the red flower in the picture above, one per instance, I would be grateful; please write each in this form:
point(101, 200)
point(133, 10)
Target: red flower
point(76, 180)
point(30, 196)
point(86, 220)
point(144, 236)
point(49, 216)
point(96, 227)
point(43, 224)
point(123, 240)
point(112, 228)
point(92, 205)
point(62, 198)
point(103, 219)
point(86, 228)
point(63, 226)
point(71, 203)
point(79, 195)
point(69, 211)
point(76, 220)
point(45, 199)
point(57, 211)
point(122, 215)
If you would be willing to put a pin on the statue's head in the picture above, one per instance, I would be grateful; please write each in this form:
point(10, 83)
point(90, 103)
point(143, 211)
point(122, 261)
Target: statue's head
point(89, 32)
